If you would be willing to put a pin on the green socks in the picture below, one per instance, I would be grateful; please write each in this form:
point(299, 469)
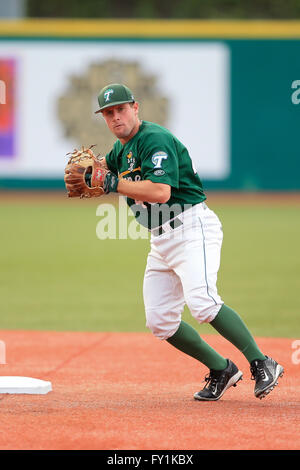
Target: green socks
point(230, 325)
point(187, 340)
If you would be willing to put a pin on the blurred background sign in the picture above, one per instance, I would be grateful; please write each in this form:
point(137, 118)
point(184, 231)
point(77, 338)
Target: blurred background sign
point(227, 89)
point(181, 86)
point(8, 109)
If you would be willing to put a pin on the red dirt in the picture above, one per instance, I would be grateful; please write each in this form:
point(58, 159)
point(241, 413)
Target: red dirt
point(114, 391)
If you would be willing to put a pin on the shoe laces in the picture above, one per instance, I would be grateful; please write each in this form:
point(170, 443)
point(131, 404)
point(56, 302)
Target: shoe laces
point(211, 381)
point(257, 371)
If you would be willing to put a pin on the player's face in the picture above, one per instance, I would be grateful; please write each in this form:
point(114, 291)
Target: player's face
point(122, 120)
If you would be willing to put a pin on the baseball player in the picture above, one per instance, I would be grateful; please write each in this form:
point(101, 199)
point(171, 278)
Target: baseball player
point(153, 170)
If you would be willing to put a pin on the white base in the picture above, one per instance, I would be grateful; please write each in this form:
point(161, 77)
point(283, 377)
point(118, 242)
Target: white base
point(24, 385)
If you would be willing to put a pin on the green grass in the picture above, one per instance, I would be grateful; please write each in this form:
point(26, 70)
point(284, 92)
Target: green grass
point(57, 275)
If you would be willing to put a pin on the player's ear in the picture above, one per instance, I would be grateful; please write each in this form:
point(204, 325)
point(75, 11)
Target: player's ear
point(135, 106)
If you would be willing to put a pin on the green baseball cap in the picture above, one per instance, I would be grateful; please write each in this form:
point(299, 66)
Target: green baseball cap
point(114, 94)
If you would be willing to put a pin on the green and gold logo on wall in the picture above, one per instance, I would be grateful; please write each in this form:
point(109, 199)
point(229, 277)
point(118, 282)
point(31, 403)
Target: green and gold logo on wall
point(76, 106)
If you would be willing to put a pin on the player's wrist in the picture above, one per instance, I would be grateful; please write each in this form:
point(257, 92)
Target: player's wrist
point(111, 183)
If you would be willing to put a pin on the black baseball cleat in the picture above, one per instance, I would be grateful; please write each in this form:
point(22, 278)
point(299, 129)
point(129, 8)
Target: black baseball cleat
point(265, 373)
point(218, 381)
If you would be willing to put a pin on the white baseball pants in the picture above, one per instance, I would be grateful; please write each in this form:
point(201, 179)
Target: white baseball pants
point(182, 268)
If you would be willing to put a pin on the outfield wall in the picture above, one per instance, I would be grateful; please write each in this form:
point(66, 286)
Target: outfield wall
point(229, 90)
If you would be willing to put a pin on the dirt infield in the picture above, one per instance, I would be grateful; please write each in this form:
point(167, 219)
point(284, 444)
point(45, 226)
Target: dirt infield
point(131, 391)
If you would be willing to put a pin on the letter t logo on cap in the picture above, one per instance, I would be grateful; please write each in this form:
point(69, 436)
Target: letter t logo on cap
point(107, 94)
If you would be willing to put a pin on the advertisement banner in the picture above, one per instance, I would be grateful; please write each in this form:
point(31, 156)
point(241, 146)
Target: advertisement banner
point(184, 87)
point(7, 108)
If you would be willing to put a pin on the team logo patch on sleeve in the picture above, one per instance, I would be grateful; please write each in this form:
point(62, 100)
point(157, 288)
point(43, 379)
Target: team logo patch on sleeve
point(158, 158)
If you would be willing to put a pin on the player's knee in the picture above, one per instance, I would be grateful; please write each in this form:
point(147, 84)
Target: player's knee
point(161, 328)
point(204, 311)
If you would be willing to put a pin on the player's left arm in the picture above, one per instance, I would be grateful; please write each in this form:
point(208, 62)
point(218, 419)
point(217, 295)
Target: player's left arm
point(145, 190)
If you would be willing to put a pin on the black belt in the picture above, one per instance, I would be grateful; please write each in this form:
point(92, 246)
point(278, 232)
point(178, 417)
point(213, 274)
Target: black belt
point(174, 223)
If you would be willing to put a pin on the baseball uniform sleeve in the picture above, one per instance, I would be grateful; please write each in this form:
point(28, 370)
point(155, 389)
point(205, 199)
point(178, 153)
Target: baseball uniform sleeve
point(159, 160)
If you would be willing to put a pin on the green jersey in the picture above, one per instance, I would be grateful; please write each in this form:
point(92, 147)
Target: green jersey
point(155, 154)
